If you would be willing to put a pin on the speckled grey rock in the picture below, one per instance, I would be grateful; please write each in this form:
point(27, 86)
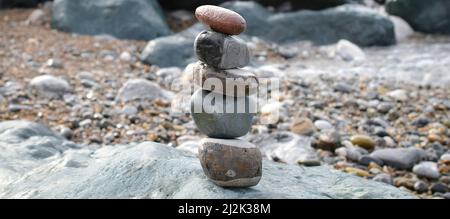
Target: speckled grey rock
point(221, 51)
point(151, 170)
point(221, 120)
point(230, 162)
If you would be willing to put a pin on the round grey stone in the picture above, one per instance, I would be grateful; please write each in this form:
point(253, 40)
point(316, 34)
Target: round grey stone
point(215, 116)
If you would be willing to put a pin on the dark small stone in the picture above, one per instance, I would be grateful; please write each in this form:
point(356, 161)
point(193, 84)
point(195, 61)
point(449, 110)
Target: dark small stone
point(421, 122)
point(221, 51)
point(439, 187)
point(421, 187)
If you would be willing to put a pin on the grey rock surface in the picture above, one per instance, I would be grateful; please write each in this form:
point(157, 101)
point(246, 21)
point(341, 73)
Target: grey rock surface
point(150, 170)
point(127, 19)
point(432, 16)
point(355, 23)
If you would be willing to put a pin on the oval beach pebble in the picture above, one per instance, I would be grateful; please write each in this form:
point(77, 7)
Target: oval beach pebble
point(221, 19)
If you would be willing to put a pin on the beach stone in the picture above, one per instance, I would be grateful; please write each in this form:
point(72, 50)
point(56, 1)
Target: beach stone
point(221, 19)
point(245, 82)
point(401, 158)
point(398, 95)
point(49, 86)
point(220, 120)
point(367, 159)
point(348, 51)
point(430, 16)
point(349, 153)
point(427, 169)
point(221, 51)
point(231, 162)
point(329, 141)
point(420, 186)
point(363, 141)
point(384, 178)
point(445, 158)
point(302, 126)
point(439, 188)
point(141, 89)
point(323, 125)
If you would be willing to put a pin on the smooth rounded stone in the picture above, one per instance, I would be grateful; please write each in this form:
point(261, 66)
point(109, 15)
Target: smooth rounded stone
point(141, 89)
point(349, 153)
point(37, 17)
point(302, 126)
point(439, 188)
point(363, 141)
point(323, 125)
point(420, 186)
point(49, 86)
point(367, 159)
point(66, 132)
point(427, 169)
point(221, 19)
point(385, 107)
point(384, 178)
point(420, 122)
point(398, 95)
point(348, 51)
point(327, 141)
point(221, 51)
point(400, 158)
point(221, 120)
point(231, 162)
point(129, 110)
point(445, 158)
point(55, 63)
point(231, 82)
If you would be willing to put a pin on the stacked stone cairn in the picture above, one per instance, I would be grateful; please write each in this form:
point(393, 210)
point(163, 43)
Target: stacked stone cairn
point(224, 106)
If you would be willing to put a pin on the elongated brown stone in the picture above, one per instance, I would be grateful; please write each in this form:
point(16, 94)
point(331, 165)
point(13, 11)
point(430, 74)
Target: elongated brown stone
point(231, 162)
point(221, 19)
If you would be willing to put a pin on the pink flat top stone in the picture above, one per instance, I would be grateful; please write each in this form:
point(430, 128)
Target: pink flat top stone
point(221, 19)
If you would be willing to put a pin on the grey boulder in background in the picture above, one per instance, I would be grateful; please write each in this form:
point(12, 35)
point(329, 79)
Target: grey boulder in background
point(125, 19)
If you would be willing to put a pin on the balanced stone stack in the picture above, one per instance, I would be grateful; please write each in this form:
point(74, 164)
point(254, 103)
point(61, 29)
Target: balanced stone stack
point(224, 106)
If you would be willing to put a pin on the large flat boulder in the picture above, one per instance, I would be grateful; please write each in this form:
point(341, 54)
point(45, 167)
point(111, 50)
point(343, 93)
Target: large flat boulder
point(125, 19)
point(150, 170)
